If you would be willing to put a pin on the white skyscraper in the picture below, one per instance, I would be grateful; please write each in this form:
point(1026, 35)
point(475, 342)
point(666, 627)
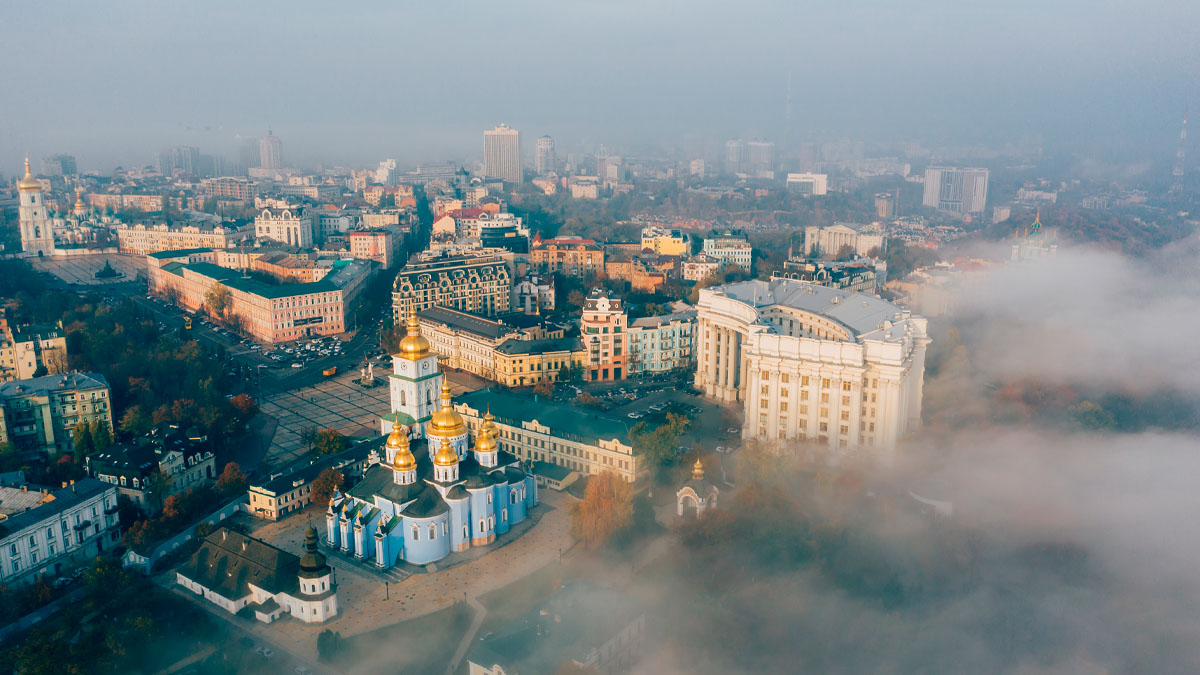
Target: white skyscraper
point(502, 154)
point(735, 157)
point(957, 190)
point(760, 157)
point(545, 159)
point(270, 152)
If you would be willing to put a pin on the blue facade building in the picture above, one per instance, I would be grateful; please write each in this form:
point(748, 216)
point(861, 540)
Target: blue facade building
point(428, 497)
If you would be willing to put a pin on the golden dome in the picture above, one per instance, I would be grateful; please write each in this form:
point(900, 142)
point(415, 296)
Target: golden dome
point(698, 470)
point(29, 183)
point(79, 205)
point(404, 460)
point(396, 438)
point(485, 441)
point(414, 345)
point(490, 424)
point(446, 423)
point(446, 456)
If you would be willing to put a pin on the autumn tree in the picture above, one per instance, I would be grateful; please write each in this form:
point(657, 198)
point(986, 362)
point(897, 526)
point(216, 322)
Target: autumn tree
point(654, 446)
point(158, 486)
point(135, 421)
point(232, 480)
point(326, 483)
point(544, 388)
point(101, 436)
point(605, 510)
point(81, 441)
point(217, 300)
point(246, 406)
point(575, 299)
point(329, 442)
point(308, 436)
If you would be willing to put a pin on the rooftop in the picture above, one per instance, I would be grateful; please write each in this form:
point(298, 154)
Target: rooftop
point(60, 501)
point(565, 420)
point(233, 279)
point(663, 319)
point(859, 312)
point(51, 383)
point(466, 322)
point(167, 255)
point(514, 346)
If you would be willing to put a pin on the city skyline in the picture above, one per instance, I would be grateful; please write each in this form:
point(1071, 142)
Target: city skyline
point(1095, 100)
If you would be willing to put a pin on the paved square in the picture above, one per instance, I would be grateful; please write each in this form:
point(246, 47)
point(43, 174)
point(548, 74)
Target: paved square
point(82, 269)
point(336, 403)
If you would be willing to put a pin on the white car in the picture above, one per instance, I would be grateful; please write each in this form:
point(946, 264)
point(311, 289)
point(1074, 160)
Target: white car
point(297, 365)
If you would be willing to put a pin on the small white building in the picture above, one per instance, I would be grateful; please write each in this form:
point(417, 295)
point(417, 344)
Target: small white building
point(236, 572)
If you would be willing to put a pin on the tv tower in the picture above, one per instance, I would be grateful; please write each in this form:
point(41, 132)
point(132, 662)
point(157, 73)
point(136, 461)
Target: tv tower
point(1177, 172)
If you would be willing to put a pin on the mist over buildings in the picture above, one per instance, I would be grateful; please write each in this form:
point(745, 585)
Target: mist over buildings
point(115, 83)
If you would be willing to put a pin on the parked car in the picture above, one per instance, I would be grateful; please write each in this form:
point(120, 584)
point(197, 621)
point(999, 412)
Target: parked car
point(297, 365)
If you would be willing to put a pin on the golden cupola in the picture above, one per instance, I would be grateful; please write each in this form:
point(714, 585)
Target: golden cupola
point(403, 459)
point(29, 183)
point(414, 345)
point(446, 456)
point(489, 423)
point(446, 422)
point(485, 442)
point(80, 207)
point(698, 470)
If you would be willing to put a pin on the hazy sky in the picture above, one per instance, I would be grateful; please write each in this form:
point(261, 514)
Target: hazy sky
point(356, 82)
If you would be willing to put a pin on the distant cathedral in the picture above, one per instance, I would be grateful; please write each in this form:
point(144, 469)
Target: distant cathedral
point(1035, 244)
point(427, 497)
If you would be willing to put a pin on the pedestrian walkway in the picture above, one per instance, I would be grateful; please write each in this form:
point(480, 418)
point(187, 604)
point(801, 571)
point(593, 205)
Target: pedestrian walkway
point(469, 636)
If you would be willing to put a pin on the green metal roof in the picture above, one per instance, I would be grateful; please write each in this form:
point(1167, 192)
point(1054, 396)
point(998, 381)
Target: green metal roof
point(565, 420)
point(233, 279)
point(163, 255)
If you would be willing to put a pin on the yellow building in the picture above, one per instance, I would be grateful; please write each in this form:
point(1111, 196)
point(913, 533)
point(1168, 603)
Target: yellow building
point(666, 242)
point(520, 363)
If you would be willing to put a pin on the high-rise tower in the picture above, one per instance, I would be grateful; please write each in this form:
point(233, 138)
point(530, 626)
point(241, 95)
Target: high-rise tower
point(270, 152)
point(545, 159)
point(502, 154)
point(1177, 172)
point(36, 236)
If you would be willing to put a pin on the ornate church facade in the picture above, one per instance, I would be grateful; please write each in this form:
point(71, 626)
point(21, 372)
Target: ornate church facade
point(431, 493)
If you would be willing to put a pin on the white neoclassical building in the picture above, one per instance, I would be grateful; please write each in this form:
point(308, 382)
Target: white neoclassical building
point(812, 363)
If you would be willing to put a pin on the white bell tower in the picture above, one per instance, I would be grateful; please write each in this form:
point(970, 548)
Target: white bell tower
point(37, 238)
point(415, 381)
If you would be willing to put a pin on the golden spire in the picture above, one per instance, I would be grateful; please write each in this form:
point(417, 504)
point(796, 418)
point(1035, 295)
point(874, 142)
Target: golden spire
point(79, 205)
point(1037, 220)
point(698, 470)
point(403, 459)
point(446, 456)
point(414, 345)
point(29, 183)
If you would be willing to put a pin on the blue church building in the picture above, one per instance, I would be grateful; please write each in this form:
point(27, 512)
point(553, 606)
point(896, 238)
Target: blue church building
point(428, 497)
